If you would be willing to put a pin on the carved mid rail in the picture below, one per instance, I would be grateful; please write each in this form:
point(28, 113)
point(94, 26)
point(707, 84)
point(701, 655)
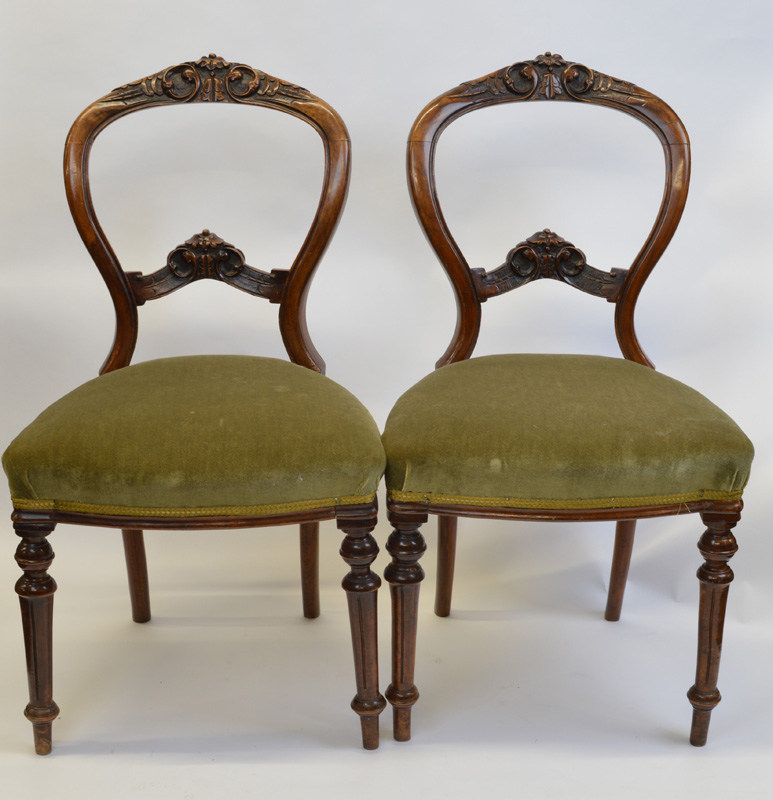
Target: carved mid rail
point(206, 256)
point(547, 255)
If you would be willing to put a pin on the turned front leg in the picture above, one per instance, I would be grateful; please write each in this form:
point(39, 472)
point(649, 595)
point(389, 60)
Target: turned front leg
point(406, 546)
point(718, 546)
point(359, 549)
point(36, 596)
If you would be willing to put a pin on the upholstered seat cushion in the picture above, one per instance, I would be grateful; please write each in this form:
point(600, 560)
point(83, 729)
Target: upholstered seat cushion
point(199, 435)
point(560, 431)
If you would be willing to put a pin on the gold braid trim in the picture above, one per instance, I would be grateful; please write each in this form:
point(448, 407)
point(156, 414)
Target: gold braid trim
point(595, 502)
point(211, 511)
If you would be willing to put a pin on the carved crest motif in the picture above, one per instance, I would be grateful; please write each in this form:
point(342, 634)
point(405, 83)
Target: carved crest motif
point(211, 79)
point(551, 77)
point(203, 256)
point(547, 255)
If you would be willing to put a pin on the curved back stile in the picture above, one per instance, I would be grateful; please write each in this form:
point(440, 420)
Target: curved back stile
point(548, 77)
point(210, 79)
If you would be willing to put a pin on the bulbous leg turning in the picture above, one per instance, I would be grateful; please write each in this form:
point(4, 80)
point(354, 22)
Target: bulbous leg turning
point(359, 549)
point(36, 597)
point(406, 546)
point(718, 546)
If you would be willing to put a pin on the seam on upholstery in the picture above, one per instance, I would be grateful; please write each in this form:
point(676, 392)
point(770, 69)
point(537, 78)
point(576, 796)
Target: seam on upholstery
point(407, 473)
point(211, 511)
point(596, 502)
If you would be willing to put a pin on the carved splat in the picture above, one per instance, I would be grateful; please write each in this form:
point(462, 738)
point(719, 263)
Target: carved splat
point(547, 255)
point(551, 77)
point(206, 255)
point(211, 79)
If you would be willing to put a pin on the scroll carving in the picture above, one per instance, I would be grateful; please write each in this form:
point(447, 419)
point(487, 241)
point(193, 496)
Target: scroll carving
point(551, 77)
point(203, 256)
point(548, 255)
point(211, 79)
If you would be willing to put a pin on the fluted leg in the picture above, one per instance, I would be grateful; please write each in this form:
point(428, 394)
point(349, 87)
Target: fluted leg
point(310, 569)
point(621, 561)
point(446, 558)
point(718, 546)
point(36, 596)
point(359, 549)
point(406, 546)
point(137, 571)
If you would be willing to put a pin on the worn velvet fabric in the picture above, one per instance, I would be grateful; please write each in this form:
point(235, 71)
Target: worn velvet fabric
point(199, 435)
point(560, 431)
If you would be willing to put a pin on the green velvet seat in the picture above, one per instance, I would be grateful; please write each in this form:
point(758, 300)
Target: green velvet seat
point(199, 436)
point(560, 431)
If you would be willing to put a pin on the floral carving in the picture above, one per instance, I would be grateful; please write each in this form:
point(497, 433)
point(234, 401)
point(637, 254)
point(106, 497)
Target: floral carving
point(211, 79)
point(206, 256)
point(545, 254)
point(551, 77)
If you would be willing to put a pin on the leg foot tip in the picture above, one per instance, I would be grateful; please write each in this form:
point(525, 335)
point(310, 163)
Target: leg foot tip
point(402, 724)
point(43, 744)
point(370, 734)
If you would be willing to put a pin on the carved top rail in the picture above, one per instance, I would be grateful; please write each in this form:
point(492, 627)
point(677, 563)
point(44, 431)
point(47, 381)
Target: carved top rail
point(211, 80)
point(549, 78)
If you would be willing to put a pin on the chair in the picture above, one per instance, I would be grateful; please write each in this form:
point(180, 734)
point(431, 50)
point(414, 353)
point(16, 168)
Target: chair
point(202, 442)
point(555, 437)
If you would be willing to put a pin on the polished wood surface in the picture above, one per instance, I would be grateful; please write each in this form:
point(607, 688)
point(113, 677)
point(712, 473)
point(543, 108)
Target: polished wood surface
point(359, 550)
point(621, 562)
point(545, 254)
point(205, 255)
point(137, 571)
point(310, 569)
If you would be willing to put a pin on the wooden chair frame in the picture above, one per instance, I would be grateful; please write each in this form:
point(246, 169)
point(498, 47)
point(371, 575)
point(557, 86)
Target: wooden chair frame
point(213, 80)
point(545, 255)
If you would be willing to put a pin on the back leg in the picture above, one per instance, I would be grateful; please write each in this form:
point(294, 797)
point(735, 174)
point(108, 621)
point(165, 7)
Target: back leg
point(137, 570)
point(310, 569)
point(621, 561)
point(446, 559)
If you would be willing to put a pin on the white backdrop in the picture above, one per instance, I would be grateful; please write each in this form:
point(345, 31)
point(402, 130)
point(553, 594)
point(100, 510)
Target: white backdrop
point(562, 704)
